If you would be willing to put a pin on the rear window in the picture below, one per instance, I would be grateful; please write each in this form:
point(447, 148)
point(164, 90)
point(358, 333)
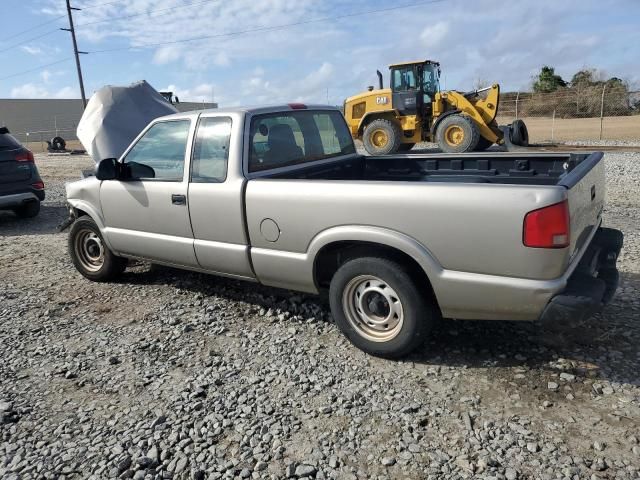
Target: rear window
point(290, 138)
point(7, 142)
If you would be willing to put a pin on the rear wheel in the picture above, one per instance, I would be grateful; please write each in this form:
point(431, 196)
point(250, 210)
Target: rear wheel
point(382, 137)
point(457, 134)
point(379, 308)
point(28, 210)
point(91, 257)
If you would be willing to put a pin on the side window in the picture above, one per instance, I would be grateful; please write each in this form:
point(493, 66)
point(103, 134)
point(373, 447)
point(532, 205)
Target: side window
point(404, 79)
point(162, 150)
point(211, 150)
point(397, 80)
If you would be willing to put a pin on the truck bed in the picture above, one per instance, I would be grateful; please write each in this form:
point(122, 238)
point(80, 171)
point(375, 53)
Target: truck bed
point(506, 168)
point(466, 209)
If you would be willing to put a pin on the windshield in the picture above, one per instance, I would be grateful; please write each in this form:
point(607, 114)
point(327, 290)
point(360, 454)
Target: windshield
point(431, 83)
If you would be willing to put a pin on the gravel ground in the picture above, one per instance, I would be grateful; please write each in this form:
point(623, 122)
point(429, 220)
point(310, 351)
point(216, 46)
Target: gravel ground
point(171, 374)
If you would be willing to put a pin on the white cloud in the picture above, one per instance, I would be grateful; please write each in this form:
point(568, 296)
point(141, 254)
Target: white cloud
point(34, 90)
point(203, 92)
point(31, 50)
point(46, 75)
point(167, 54)
point(433, 35)
point(29, 90)
point(299, 63)
point(67, 92)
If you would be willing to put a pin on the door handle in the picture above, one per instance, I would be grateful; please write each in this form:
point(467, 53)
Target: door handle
point(177, 199)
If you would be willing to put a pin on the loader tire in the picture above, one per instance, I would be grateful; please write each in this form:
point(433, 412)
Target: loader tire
point(382, 137)
point(519, 133)
point(457, 134)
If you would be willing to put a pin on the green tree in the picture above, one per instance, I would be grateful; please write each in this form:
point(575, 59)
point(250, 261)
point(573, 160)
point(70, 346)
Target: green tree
point(584, 78)
point(547, 81)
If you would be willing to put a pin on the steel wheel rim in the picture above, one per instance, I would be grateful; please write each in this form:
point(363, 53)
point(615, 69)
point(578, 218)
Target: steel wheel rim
point(89, 250)
point(372, 308)
point(454, 135)
point(379, 138)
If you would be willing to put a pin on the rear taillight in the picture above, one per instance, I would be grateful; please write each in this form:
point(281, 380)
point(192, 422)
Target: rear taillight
point(547, 227)
point(38, 185)
point(25, 157)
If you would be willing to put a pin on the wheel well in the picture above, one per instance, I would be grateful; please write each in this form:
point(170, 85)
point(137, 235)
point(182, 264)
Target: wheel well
point(388, 115)
point(80, 213)
point(333, 256)
point(441, 117)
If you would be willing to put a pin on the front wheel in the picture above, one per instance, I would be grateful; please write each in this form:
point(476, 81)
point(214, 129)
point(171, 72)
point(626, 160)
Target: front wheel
point(457, 134)
point(89, 254)
point(382, 137)
point(379, 308)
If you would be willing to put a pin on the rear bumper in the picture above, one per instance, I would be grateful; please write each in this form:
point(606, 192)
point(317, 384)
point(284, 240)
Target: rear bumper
point(592, 284)
point(17, 199)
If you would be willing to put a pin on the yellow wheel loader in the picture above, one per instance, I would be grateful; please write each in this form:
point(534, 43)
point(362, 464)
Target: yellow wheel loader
point(414, 110)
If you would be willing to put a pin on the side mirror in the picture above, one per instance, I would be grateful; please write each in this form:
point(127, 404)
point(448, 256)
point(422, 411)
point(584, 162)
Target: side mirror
point(107, 169)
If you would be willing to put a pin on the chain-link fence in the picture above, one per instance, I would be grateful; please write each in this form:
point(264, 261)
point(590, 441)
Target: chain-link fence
point(37, 131)
point(603, 112)
point(590, 113)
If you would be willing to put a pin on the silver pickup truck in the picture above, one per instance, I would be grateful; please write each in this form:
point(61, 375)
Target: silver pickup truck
point(280, 196)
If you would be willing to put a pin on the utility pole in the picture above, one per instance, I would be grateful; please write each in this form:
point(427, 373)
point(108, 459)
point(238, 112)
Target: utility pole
point(75, 51)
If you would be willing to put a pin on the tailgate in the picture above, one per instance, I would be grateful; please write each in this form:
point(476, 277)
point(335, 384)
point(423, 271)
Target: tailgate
point(586, 190)
point(12, 171)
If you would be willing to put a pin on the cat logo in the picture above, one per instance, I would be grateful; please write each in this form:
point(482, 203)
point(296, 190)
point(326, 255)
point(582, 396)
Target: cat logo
point(382, 100)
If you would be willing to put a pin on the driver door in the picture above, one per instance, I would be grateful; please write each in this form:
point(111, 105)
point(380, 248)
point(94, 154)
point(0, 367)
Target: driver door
point(148, 216)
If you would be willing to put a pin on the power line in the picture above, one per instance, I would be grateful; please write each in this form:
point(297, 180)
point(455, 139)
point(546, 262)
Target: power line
point(271, 28)
point(32, 28)
point(133, 15)
point(55, 19)
point(229, 34)
point(36, 68)
point(28, 40)
point(96, 5)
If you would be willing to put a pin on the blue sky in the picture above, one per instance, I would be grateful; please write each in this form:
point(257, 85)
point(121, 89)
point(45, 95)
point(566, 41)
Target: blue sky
point(475, 40)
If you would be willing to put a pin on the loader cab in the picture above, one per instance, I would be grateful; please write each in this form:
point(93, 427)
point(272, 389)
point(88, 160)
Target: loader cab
point(413, 86)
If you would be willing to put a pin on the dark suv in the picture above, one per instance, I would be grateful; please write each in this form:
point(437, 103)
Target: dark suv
point(21, 188)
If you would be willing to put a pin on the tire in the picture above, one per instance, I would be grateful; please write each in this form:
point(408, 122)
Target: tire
point(519, 133)
point(483, 144)
point(405, 147)
point(457, 134)
point(382, 137)
point(28, 210)
point(58, 143)
point(380, 280)
point(90, 255)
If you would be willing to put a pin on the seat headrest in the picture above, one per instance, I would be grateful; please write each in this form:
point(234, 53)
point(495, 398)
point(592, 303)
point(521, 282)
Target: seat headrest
point(281, 134)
